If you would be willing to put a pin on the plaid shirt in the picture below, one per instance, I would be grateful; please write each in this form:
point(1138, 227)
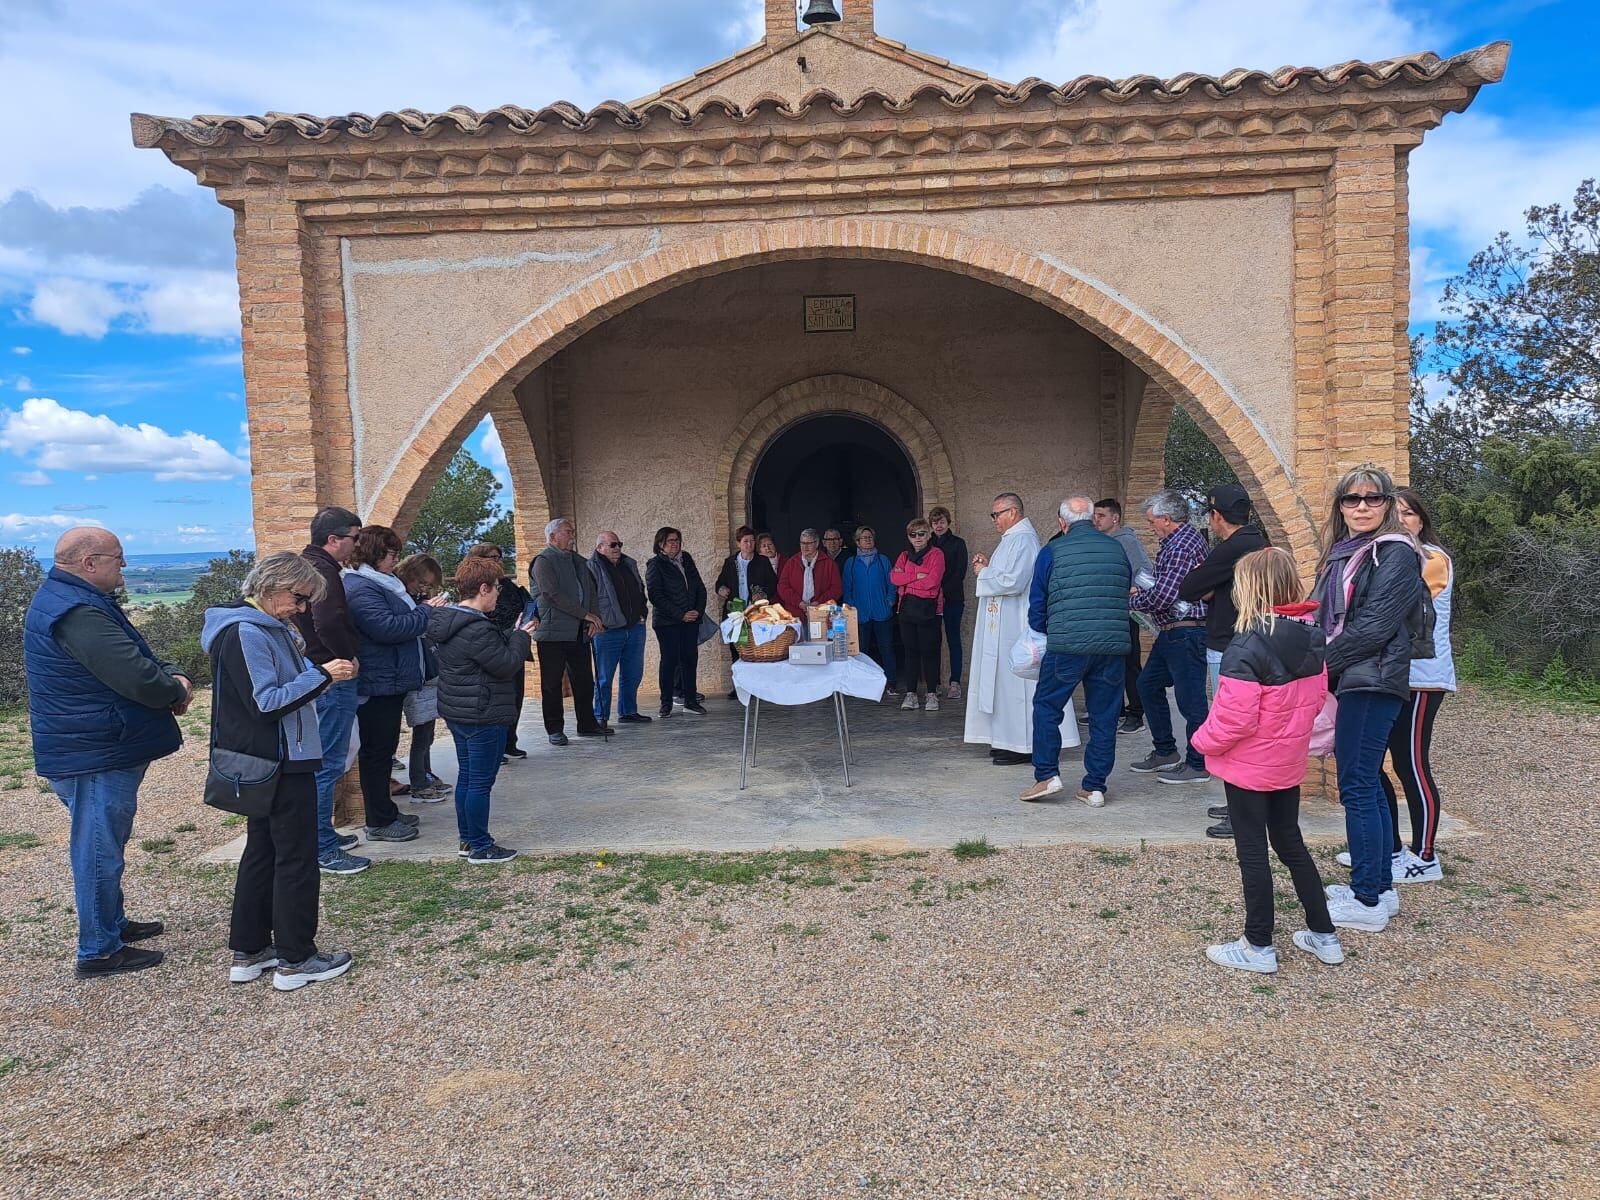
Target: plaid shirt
point(1181, 551)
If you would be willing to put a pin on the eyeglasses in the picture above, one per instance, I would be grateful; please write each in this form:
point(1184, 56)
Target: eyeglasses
point(349, 536)
point(921, 533)
point(613, 545)
point(300, 600)
point(1000, 512)
point(1352, 500)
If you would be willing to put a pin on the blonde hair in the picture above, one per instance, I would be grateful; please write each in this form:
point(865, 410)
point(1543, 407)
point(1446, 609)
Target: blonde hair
point(1262, 580)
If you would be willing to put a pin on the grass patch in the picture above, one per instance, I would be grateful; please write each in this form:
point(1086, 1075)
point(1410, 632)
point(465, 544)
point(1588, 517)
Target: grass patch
point(1107, 914)
point(186, 827)
point(19, 841)
point(159, 845)
point(292, 1101)
point(879, 935)
point(9, 1064)
point(1112, 858)
point(973, 848)
point(232, 820)
point(1264, 989)
point(261, 1125)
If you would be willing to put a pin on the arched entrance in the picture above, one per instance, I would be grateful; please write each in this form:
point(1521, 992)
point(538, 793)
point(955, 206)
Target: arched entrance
point(834, 469)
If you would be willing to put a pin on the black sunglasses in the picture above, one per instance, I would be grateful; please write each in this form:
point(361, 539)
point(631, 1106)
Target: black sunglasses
point(301, 600)
point(995, 516)
point(1353, 500)
point(613, 545)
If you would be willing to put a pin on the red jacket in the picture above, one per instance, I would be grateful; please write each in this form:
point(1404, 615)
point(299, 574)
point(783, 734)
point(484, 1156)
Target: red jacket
point(1270, 690)
point(827, 587)
point(930, 586)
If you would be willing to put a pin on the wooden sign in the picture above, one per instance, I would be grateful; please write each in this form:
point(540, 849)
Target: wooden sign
point(830, 314)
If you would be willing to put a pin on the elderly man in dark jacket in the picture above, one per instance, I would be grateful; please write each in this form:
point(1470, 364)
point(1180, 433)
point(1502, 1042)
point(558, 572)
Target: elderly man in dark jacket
point(1079, 601)
point(330, 635)
point(480, 672)
point(620, 598)
point(567, 624)
point(100, 709)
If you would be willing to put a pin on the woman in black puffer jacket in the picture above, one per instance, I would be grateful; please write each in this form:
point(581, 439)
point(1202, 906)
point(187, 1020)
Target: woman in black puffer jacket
point(480, 675)
point(511, 602)
point(1369, 591)
point(677, 598)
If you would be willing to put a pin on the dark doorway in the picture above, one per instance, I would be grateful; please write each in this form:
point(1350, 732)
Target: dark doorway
point(835, 470)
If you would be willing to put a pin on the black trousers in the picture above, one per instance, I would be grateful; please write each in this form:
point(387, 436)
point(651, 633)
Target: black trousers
point(1260, 817)
point(378, 719)
point(680, 660)
point(919, 641)
point(575, 660)
point(1130, 688)
point(511, 730)
point(420, 762)
point(275, 894)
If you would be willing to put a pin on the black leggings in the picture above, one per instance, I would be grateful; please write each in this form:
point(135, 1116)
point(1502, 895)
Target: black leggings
point(1258, 817)
point(680, 660)
point(421, 758)
point(378, 718)
point(919, 641)
point(1409, 744)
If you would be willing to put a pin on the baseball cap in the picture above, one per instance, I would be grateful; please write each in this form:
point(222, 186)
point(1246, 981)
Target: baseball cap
point(1231, 502)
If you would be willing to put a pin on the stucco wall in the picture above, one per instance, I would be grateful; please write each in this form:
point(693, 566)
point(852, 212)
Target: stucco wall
point(423, 310)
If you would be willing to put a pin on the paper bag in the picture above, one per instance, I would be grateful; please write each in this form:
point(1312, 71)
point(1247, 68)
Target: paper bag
point(818, 613)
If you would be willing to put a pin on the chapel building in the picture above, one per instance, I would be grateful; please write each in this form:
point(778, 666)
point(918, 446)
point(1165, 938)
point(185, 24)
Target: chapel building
point(829, 280)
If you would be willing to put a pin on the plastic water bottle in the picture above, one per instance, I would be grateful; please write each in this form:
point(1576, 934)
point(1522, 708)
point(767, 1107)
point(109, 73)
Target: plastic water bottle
point(838, 639)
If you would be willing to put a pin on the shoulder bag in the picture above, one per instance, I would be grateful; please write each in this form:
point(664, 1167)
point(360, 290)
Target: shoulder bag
point(237, 782)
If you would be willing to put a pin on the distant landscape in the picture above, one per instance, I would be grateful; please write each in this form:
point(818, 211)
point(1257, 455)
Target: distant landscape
point(163, 578)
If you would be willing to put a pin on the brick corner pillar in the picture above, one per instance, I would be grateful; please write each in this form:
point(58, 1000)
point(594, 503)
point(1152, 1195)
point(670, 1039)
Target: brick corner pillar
point(856, 18)
point(1363, 299)
point(278, 317)
point(783, 20)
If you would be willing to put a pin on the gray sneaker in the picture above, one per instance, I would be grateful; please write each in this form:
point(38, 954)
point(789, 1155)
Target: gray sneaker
point(398, 832)
point(340, 863)
point(1183, 773)
point(252, 966)
point(290, 976)
point(1156, 762)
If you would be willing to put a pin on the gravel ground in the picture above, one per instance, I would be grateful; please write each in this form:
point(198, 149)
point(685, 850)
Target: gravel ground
point(1030, 1023)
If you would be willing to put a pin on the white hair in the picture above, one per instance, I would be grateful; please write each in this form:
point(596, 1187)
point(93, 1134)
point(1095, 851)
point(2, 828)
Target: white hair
point(1170, 504)
point(550, 529)
point(1077, 508)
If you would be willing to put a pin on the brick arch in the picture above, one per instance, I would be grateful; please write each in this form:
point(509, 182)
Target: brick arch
point(815, 396)
point(1157, 351)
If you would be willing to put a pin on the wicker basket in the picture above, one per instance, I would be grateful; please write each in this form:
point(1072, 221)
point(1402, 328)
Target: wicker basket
point(777, 650)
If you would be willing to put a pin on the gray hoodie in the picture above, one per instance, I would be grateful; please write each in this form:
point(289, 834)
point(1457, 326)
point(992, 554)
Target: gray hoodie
point(279, 684)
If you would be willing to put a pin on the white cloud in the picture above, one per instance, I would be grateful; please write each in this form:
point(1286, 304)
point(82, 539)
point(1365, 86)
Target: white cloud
point(23, 384)
point(76, 306)
point(22, 349)
point(32, 479)
point(68, 439)
point(195, 529)
point(22, 527)
point(205, 304)
point(492, 453)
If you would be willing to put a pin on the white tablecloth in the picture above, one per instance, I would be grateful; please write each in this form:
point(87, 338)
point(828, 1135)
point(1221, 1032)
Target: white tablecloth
point(789, 683)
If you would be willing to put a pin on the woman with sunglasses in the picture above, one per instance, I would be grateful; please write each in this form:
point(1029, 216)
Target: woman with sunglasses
point(919, 575)
point(262, 704)
point(1369, 593)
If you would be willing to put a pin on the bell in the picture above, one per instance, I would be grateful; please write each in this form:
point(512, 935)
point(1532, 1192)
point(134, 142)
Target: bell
point(821, 12)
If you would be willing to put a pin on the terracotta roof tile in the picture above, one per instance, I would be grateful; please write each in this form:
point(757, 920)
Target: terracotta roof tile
point(1486, 64)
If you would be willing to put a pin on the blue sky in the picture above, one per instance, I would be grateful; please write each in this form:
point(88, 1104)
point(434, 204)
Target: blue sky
point(121, 395)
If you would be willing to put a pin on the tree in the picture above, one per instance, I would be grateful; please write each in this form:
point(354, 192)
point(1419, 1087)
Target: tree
point(1194, 466)
point(20, 577)
point(459, 511)
point(173, 630)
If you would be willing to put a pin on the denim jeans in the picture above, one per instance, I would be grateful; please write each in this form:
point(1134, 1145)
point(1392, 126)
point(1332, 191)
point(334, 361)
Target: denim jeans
point(1177, 661)
point(615, 648)
point(1213, 672)
point(1360, 739)
point(336, 716)
point(478, 750)
point(952, 637)
point(879, 636)
point(101, 804)
point(1059, 676)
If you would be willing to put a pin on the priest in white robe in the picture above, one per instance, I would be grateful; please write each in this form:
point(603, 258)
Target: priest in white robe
point(999, 702)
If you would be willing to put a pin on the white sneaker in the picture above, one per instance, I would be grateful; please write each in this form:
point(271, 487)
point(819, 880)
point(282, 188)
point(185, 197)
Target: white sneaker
point(1095, 799)
point(1242, 956)
point(1349, 913)
point(1325, 946)
point(1412, 868)
point(910, 702)
point(1396, 863)
point(1041, 789)
point(1389, 901)
point(932, 703)
point(953, 692)
point(1343, 858)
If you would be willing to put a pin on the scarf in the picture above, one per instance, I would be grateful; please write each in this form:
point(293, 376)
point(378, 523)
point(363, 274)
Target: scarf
point(677, 561)
point(630, 597)
point(367, 571)
point(917, 556)
point(1332, 590)
point(867, 556)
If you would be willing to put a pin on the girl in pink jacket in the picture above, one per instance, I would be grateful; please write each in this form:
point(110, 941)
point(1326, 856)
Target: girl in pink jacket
point(1256, 740)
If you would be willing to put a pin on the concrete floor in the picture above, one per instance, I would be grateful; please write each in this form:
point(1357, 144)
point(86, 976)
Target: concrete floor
point(674, 785)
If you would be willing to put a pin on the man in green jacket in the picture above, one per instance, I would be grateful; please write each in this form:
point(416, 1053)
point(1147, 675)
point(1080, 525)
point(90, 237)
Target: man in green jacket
point(1079, 602)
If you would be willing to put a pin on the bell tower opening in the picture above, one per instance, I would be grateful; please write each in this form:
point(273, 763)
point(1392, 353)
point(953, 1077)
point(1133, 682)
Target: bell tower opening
point(837, 470)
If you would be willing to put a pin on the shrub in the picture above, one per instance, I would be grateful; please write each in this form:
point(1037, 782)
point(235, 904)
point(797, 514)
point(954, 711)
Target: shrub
point(20, 577)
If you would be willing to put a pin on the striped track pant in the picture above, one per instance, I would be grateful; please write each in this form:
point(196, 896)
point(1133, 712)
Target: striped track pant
point(1409, 746)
